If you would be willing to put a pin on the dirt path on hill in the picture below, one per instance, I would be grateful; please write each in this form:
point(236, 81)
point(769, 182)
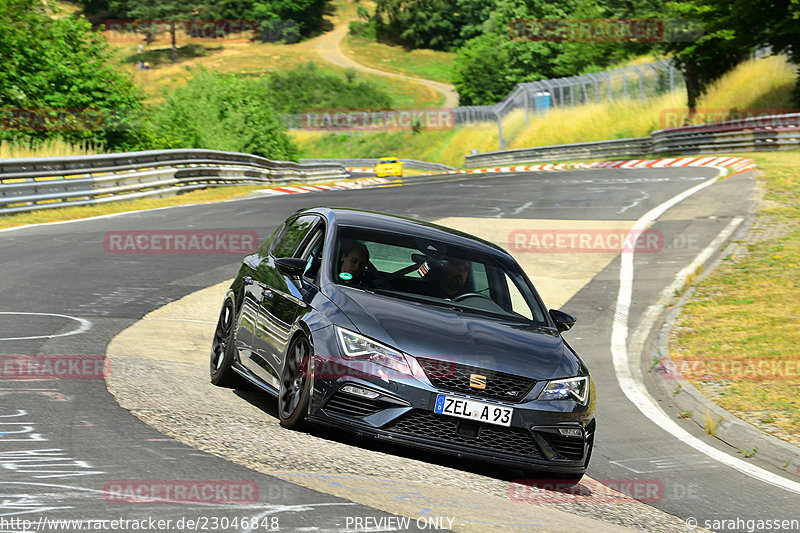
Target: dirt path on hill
point(328, 47)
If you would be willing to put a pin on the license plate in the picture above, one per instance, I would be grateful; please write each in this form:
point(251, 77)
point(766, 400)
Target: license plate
point(473, 410)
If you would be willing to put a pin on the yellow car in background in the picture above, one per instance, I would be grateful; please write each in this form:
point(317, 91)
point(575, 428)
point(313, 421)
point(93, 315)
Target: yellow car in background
point(389, 166)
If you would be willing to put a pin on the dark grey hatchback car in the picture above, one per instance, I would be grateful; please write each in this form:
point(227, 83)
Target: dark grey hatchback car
point(409, 332)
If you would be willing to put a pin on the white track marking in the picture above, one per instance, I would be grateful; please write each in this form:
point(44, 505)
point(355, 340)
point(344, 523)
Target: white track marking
point(84, 326)
point(628, 373)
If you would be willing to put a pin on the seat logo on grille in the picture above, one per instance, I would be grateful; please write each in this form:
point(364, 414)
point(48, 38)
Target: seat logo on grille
point(476, 381)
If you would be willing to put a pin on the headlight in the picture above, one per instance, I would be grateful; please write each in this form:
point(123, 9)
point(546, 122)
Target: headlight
point(576, 389)
point(355, 346)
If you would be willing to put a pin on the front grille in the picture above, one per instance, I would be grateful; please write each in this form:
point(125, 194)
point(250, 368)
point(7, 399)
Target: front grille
point(513, 441)
point(567, 447)
point(451, 376)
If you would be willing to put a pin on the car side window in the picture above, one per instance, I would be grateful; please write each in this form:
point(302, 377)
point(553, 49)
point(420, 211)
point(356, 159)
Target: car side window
point(264, 249)
point(313, 254)
point(292, 236)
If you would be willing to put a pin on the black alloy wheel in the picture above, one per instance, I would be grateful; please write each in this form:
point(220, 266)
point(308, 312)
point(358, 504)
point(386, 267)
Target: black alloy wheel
point(295, 385)
point(223, 350)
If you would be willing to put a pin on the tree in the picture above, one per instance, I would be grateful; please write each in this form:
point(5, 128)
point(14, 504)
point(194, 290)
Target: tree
point(59, 66)
point(150, 14)
point(775, 24)
point(482, 74)
point(705, 58)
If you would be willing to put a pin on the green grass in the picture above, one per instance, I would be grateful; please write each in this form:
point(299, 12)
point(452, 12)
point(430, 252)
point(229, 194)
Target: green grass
point(748, 310)
point(437, 146)
point(427, 64)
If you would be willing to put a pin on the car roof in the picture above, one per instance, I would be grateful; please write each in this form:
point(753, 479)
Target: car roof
point(387, 158)
point(376, 220)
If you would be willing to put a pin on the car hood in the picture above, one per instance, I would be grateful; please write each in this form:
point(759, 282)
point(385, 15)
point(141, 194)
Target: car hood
point(463, 337)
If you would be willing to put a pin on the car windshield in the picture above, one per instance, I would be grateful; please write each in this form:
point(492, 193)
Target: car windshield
point(434, 273)
point(387, 161)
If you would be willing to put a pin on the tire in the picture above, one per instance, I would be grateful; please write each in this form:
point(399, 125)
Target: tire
point(295, 385)
point(223, 350)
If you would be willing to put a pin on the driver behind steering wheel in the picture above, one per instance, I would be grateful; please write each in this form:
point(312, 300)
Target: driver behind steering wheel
point(449, 281)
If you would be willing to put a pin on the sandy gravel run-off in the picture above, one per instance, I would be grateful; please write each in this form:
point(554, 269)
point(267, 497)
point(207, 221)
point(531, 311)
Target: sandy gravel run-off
point(159, 371)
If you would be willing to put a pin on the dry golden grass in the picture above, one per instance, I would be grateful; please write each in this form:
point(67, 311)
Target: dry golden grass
point(757, 83)
point(48, 148)
point(261, 59)
point(256, 58)
point(592, 122)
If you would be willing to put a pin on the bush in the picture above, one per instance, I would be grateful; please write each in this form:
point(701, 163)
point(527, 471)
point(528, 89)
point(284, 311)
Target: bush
point(308, 88)
point(364, 30)
point(220, 112)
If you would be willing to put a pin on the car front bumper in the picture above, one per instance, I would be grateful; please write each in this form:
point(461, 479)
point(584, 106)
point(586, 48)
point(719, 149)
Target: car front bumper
point(402, 412)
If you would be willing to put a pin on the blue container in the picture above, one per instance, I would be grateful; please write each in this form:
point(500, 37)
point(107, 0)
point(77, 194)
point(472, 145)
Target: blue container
point(542, 101)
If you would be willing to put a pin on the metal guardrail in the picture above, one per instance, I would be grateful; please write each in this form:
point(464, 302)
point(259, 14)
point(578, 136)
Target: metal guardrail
point(43, 183)
point(757, 134)
point(614, 148)
point(371, 162)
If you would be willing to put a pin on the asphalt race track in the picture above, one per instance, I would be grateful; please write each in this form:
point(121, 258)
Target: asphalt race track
point(66, 445)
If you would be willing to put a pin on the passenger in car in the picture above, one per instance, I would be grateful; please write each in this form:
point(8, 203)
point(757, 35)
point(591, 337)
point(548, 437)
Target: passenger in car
point(354, 258)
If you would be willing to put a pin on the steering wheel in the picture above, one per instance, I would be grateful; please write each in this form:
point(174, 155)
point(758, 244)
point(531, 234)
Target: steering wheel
point(468, 295)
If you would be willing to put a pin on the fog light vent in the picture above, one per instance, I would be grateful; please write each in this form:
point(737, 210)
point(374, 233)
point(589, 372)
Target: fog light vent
point(360, 391)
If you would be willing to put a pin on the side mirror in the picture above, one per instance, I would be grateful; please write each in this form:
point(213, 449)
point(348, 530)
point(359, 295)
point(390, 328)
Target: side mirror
point(564, 321)
point(290, 266)
point(252, 260)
